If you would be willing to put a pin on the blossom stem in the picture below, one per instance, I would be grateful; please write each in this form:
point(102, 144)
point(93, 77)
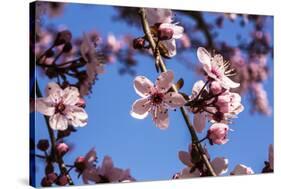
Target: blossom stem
point(58, 159)
point(162, 67)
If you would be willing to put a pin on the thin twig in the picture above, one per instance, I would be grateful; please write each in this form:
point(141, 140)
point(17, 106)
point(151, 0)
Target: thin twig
point(162, 66)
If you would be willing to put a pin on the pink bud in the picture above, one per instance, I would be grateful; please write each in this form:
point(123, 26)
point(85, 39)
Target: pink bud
point(215, 87)
point(43, 145)
point(52, 177)
point(165, 33)
point(62, 180)
point(45, 182)
point(62, 149)
point(80, 164)
point(217, 133)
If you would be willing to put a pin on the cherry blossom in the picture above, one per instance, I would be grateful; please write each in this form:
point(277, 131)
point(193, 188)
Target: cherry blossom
point(217, 133)
point(163, 18)
point(156, 99)
point(216, 68)
point(60, 106)
point(241, 169)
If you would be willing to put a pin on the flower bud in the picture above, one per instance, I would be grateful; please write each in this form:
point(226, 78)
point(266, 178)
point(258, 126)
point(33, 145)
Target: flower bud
point(52, 177)
point(165, 33)
point(45, 182)
point(62, 180)
point(49, 53)
point(138, 43)
point(80, 164)
point(217, 133)
point(63, 37)
point(43, 145)
point(215, 87)
point(62, 149)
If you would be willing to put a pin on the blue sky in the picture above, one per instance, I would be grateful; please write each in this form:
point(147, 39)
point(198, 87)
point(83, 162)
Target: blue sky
point(150, 153)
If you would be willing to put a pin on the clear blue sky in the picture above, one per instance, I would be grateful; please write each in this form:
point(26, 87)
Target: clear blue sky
point(150, 153)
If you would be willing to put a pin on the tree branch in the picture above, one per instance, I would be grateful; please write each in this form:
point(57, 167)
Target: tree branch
point(162, 66)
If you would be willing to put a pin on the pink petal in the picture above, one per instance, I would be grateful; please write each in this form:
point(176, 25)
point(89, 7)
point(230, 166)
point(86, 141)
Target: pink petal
point(204, 57)
point(165, 81)
point(185, 158)
point(76, 116)
point(220, 165)
point(178, 30)
point(174, 99)
point(71, 95)
point(199, 121)
point(160, 117)
point(52, 88)
point(143, 86)
point(155, 15)
point(171, 47)
point(241, 169)
point(107, 165)
point(58, 122)
point(115, 174)
point(91, 156)
point(140, 108)
point(198, 85)
point(185, 173)
point(90, 174)
point(228, 83)
point(44, 107)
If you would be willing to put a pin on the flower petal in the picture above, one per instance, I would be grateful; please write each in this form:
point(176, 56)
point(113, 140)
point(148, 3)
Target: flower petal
point(155, 15)
point(140, 108)
point(227, 83)
point(171, 47)
point(58, 122)
point(198, 85)
point(174, 99)
point(177, 30)
point(185, 173)
point(142, 86)
point(107, 165)
point(91, 156)
point(199, 121)
point(53, 88)
point(76, 116)
point(160, 117)
point(204, 57)
point(220, 165)
point(241, 169)
point(71, 95)
point(165, 81)
point(44, 107)
point(185, 158)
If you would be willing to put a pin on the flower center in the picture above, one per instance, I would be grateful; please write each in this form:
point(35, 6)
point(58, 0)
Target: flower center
point(216, 72)
point(157, 98)
point(60, 107)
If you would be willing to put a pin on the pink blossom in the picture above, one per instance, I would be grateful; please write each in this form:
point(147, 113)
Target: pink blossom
point(216, 68)
point(217, 133)
point(114, 44)
point(215, 87)
point(241, 169)
point(61, 106)
point(164, 18)
point(156, 99)
point(62, 149)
